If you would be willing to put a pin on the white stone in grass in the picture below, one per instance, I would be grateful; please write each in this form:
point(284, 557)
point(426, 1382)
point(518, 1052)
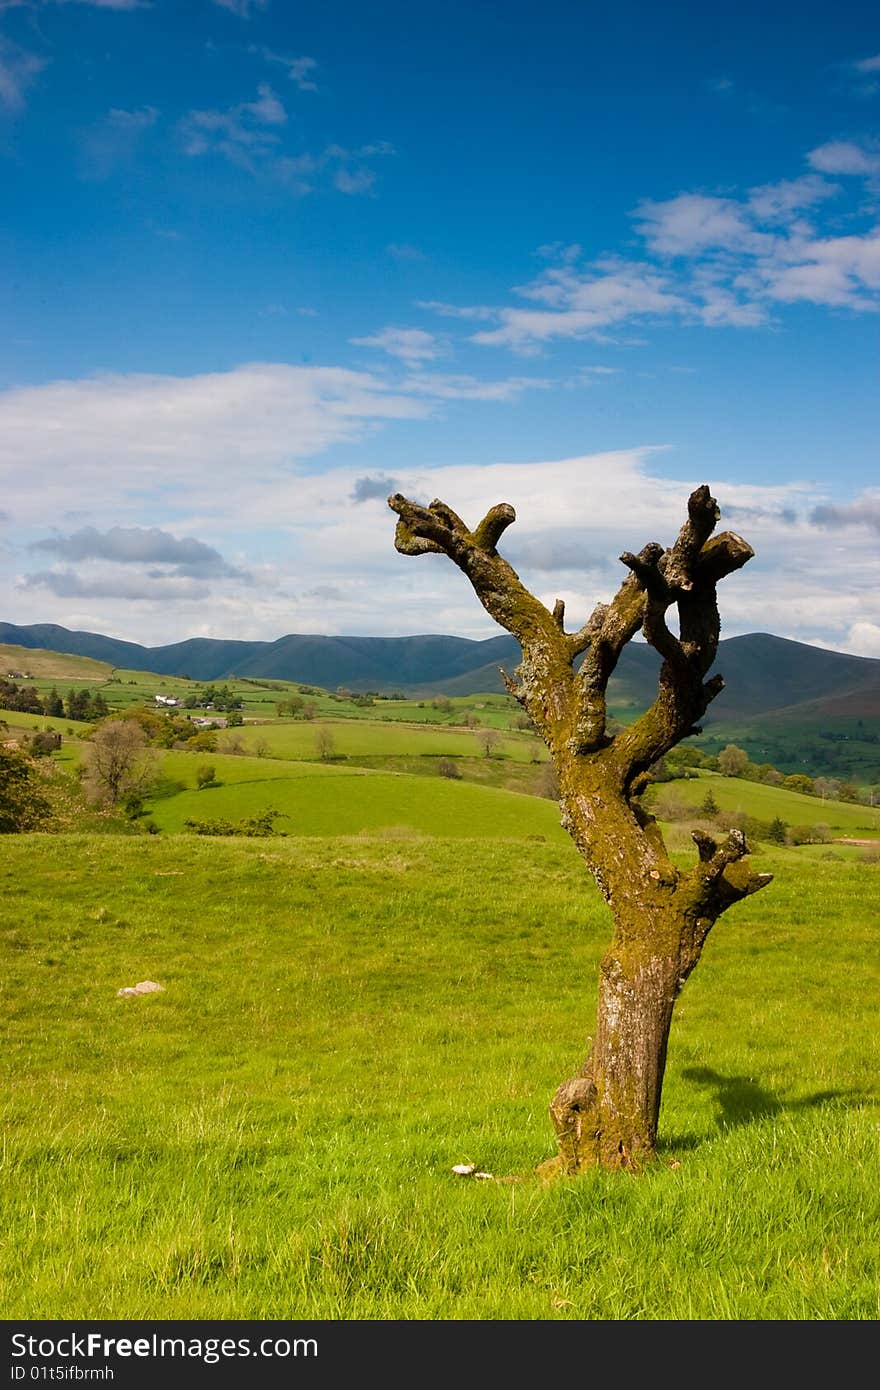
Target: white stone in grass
point(142, 987)
point(464, 1170)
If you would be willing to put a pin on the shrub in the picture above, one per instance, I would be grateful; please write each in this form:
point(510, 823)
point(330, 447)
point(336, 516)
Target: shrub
point(447, 768)
point(205, 776)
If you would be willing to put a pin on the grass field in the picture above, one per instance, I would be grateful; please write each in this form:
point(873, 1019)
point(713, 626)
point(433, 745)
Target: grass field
point(316, 800)
point(344, 1019)
point(371, 738)
point(766, 803)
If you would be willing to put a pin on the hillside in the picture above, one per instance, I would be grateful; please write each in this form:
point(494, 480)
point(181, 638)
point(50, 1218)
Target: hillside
point(34, 662)
point(764, 673)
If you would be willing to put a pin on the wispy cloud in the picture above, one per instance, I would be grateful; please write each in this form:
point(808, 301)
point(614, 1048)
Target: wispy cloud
point(403, 251)
point(299, 70)
point(19, 68)
point(408, 344)
point(242, 133)
point(720, 261)
point(245, 9)
point(112, 142)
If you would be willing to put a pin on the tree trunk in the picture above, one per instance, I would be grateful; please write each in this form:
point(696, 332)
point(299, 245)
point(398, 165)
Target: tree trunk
point(607, 1116)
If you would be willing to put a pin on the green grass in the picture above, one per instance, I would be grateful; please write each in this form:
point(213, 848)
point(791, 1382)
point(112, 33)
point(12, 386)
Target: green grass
point(766, 803)
point(371, 738)
point(49, 667)
point(344, 1019)
point(325, 800)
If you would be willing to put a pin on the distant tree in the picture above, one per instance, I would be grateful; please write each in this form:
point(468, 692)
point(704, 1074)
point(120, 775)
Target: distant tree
point(98, 707)
point(289, 708)
point(22, 805)
point(53, 705)
point(607, 1113)
point(798, 782)
point(203, 741)
point(778, 831)
point(261, 748)
point(205, 775)
point(44, 742)
point(76, 706)
point(325, 743)
point(234, 719)
point(828, 788)
point(847, 791)
point(709, 806)
point(117, 761)
point(732, 761)
point(489, 740)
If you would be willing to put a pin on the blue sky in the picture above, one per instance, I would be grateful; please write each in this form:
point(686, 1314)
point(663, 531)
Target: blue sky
point(264, 263)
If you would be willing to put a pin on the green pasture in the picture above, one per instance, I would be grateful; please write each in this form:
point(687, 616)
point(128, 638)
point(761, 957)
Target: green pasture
point(766, 803)
point(355, 801)
point(371, 738)
point(342, 1020)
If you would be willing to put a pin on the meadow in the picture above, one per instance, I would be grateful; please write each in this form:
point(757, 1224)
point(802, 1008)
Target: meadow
point(734, 794)
point(343, 1019)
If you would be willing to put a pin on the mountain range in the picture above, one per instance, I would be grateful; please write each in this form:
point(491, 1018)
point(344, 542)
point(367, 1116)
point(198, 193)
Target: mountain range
point(765, 675)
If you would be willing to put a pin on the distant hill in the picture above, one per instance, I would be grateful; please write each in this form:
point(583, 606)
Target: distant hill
point(38, 664)
point(767, 676)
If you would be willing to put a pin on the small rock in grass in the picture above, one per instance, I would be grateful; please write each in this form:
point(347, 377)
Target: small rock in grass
point(464, 1170)
point(143, 987)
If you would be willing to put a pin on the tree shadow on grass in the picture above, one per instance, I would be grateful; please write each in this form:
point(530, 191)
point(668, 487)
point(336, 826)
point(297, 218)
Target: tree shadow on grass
point(741, 1100)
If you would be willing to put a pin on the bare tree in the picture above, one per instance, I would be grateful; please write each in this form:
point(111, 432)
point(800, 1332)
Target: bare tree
point(607, 1115)
point(325, 743)
point(489, 740)
point(117, 760)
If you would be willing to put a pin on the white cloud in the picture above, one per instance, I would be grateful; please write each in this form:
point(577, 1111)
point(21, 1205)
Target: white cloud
point(457, 311)
point(582, 304)
point(409, 344)
point(233, 459)
point(692, 222)
point(239, 133)
point(354, 181)
point(775, 202)
point(461, 387)
point(871, 64)
point(845, 157)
